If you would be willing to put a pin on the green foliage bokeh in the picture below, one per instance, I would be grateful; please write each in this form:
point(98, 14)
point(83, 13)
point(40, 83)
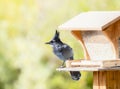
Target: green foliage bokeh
point(25, 25)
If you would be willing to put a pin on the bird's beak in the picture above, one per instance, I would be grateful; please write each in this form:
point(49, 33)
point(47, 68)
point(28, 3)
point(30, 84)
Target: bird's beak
point(47, 42)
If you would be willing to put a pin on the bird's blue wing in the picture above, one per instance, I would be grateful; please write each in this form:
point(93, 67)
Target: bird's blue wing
point(67, 52)
point(64, 52)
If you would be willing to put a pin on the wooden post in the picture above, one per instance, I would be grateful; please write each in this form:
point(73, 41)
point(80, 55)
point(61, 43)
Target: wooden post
point(106, 80)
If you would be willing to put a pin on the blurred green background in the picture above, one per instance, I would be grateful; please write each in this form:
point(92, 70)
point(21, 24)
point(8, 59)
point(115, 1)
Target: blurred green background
point(25, 25)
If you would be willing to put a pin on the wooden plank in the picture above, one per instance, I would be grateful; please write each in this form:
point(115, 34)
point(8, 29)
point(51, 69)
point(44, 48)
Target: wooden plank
point(87, 63)
point(115, 79)
point(95, 20)
point(111, 63)
point(102, 79)
point(110, 79)
point(107, 80)
point(78, 36)
point(118, 80)
point(96, 80)
point(88, 69)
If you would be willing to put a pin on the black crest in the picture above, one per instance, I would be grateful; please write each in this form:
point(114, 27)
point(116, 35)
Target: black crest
point(56, 36)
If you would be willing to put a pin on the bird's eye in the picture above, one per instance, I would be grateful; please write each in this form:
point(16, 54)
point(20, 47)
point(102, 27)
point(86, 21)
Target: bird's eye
point(52, 41)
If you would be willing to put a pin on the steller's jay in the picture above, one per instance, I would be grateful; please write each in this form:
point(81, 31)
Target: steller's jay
point(64, 52)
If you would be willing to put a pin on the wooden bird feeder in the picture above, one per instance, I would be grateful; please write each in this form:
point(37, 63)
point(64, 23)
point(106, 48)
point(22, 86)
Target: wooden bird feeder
point(99, 34)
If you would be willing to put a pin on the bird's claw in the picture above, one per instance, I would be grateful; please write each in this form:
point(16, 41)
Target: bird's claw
point(62, 66)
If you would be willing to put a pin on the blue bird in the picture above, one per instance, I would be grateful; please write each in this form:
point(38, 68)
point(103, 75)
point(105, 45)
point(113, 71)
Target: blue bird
point(64, 52)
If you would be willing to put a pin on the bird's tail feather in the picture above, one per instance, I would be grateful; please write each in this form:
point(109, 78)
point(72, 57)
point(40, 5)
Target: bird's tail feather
point(75, 75)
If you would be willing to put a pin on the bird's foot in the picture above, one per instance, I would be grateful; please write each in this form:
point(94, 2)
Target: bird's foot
point(62, 66)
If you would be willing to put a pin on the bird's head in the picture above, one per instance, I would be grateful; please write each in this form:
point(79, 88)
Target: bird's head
point(55, 39)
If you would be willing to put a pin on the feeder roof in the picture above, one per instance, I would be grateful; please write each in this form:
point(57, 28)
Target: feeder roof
point(93, 20)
